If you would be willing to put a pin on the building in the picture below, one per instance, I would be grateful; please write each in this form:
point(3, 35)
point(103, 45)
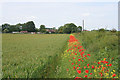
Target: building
point(23, 31)
point(50, 30)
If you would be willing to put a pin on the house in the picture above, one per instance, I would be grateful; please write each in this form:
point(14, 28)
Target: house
point(15, 32)
point(23, 31)
point(50, 30)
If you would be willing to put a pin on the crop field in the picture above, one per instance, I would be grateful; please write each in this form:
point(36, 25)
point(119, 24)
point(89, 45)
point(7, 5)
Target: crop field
point(24, 54)
point(80, 55)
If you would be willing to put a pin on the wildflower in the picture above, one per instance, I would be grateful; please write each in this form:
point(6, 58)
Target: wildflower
point(85, 56)
point(79, 59)
point(113, 75)
point(74, 67)
point(104, 59)
point(113, 70)
point(79, 71)
point(72, 63)
point(87, 64)
point(94, 70)
point(73, 58)
point(92, 67)
point(67, 69)
point(86, 71)
point(84, 67)
point(90, 73)
point(88, 54)
point(79, 64)
point(77, 67)
point(110, 64)
point(85, 76)
point(98, 62)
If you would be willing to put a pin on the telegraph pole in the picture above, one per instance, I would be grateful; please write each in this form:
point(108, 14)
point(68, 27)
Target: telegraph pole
point(83, 25)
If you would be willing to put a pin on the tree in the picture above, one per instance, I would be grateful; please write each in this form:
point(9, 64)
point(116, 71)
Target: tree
point(113, 30)
point(13, 28)
point(30, 26)
point(5, 26)
point(79, 28)
point(5, 30)
point(102, 30)
point(42, 28)
point(70, 28)
point(60, 29)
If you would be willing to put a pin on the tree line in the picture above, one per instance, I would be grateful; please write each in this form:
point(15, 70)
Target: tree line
point(30, 27)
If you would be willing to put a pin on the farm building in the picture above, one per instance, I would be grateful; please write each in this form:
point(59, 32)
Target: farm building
point(23, 31)
point(50, 30)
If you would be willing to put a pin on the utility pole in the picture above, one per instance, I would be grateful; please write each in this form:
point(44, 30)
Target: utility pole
point(83, 25)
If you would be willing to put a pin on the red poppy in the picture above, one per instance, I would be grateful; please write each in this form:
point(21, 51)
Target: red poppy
point(85, 76)
point(72, 63)
point(77, 67)
point(88, 54)
point(85, 56)
point(98, 62)
point(110, 64)
point(74, 67)
point(113, 75)
point(87, 64)
point(75, 53)
point(79, 64)
point(67, 69)
point(86, 71)
point(79, 59)
point(73, 58)
point(84, 67)
point(90, 73)
point(79, 71)
point(92, 67)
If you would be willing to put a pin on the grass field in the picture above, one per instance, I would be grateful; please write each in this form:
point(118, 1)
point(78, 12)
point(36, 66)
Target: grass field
point(24, 54)
point(56, 56)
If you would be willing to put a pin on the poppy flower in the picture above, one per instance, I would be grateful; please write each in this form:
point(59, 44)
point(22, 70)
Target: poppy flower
point(79, 59)
point(98, 62)
point(84, 67)
point(87, 64)
point(110, 64)
point(86, 71)
point(90, 73)
point(74, 67)
point(72, 63)
point(113, 75)
point(73, 58)
point(86, 76)
point(88, 54)
point(92, 67)
point(79, 71)
point(79, 64)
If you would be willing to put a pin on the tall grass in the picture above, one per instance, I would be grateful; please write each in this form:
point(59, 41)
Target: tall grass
point(26, 54)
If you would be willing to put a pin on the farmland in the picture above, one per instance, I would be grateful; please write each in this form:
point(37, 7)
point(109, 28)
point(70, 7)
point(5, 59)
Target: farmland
point(23, 54)
point(85, 54)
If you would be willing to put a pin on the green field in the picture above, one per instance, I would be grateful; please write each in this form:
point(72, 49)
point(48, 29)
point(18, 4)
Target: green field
point(45, 55)
point(24, 54)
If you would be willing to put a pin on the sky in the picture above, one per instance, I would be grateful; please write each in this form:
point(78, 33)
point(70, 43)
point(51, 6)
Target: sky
point(96, 14)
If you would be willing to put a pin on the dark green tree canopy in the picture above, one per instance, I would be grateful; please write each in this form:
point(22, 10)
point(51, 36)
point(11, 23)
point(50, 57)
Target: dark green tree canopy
point(42, 28)
point(68, 28)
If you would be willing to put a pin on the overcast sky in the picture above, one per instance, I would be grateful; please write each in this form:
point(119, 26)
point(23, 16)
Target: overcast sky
point(54, 14)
